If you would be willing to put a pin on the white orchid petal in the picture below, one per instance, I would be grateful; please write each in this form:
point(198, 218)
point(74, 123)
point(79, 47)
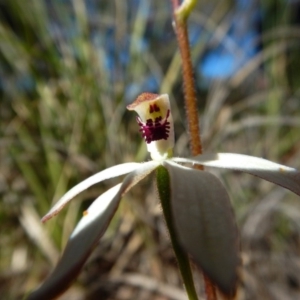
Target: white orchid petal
point(284, 176)
point(108, 173)
point(80, 245)
point(205, 223)
point(129, 181)
point(86, 235)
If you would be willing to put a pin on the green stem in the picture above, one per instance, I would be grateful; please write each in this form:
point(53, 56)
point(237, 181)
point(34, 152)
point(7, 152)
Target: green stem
point(163, 186)
point(185, 9)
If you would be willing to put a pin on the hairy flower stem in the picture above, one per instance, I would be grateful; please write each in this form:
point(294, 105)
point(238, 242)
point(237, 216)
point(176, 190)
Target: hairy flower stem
point(163, 186)
point(188, 85)
point(180, 18)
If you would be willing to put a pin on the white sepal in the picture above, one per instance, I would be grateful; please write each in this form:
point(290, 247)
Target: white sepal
point(108, 173)
point(205, 223)
point(284, 176)
point(80, 245)
point(87, 234)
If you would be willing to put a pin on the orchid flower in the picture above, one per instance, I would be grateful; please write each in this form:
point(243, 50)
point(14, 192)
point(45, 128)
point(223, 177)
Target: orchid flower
point(200, 207)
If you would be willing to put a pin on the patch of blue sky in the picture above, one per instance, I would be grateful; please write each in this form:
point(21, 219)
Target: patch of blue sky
point(239, 45)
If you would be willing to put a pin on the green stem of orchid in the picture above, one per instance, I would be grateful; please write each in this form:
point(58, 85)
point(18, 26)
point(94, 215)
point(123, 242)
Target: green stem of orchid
point(163, 186)
point(185, 9)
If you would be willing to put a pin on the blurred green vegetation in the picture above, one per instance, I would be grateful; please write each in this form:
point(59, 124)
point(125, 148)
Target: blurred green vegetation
point(63, 117)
